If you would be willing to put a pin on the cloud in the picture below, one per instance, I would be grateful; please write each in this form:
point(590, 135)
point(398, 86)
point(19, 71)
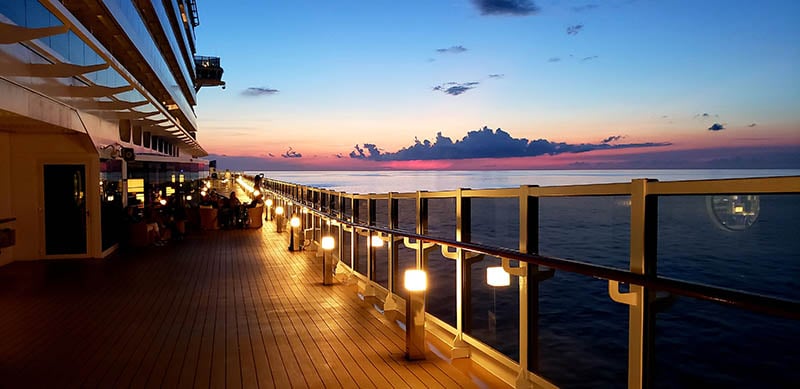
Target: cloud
point(574, 30)
point(497, 76)
point(612, 138)
point(752, 125)
point(506, 7)
point(452, 50)
point(705, 115)
point(455, 88)
point(259, 91)
point(716, 127)
point(589, 58)
point(485, 143)
point(291, 154)
point(587, 7)
point(554, 59)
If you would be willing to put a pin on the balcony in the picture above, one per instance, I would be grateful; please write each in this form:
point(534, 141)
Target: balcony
point(209, 72)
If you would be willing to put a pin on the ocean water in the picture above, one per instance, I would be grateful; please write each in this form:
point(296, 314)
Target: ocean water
point(582, 333)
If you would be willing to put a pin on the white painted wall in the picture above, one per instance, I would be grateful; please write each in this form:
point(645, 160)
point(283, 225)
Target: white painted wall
point(28, 154)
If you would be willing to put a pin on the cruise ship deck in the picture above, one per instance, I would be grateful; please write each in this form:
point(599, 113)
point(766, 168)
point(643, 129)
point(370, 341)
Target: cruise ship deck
point(227, 308)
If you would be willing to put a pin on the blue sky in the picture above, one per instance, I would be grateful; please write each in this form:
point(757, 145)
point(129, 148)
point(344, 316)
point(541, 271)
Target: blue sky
point(653, 75)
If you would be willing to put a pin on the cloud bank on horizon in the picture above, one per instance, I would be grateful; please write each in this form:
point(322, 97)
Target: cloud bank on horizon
point(488, 143)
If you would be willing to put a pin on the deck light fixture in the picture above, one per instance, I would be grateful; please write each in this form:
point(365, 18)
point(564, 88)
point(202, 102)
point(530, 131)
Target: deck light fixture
point(376, 241)
point(268, 202)
point(162, 202)
point(256, 193)
point(327, 243)
point(188, 197)
point(294, 222)
point(496, 276)
point(279, 222)
point(416, 282)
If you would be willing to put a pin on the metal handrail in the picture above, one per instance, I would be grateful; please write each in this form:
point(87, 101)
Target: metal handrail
point(737, 298)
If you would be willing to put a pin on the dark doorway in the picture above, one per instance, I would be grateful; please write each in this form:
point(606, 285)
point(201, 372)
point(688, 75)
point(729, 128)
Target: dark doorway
point(65, 209)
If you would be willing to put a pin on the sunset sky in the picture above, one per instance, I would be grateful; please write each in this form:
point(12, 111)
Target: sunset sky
point(604, 84)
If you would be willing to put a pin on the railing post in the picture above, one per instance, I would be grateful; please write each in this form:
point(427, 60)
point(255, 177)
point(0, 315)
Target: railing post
point(392, 250)
point(529, 285)
point(460, 348)
point(354, 252)
point(366, 288)
point(415, 303)
point(371, 205)
point(641, 316)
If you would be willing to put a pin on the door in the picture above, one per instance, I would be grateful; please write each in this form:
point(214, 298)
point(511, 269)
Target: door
point(65, 209)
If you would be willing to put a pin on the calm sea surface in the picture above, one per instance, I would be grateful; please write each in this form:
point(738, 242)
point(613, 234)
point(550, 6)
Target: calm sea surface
point(582, 333)
point(411, 181)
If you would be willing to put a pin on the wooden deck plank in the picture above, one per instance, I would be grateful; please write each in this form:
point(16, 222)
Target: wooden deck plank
point(221, 309)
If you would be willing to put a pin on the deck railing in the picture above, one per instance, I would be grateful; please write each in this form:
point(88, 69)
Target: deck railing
point(473, 229)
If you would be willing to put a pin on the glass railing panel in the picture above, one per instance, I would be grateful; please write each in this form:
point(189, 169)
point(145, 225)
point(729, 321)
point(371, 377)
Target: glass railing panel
point(745, 242)
point(382, 213)
point(441, 296)
point(494, 316)
point(442, 218)
point(363, 214)
point(705, 344)
point(588, 229)
point(406, 215)
point(382, 266)
point(583, 334)
point(496, 222)
point(334, 232)
point(406, 260)
point(346, 252)
point(361, 259)
point(348, 209)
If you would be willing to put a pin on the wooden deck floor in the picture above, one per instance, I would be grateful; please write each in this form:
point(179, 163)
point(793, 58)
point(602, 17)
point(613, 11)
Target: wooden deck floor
point(219, 309)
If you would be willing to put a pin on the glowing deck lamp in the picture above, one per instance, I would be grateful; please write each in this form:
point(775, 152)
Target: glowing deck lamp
point(376, 241)
point(416, 282)
point(256, 193)
point(188, 197)
point(279, 222)
point(162, 202)
point(327, 243)
point(294, 222)
point(496, 276)
point(268, 202)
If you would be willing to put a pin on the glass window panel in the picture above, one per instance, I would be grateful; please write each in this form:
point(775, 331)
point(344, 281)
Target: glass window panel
point(15, 10)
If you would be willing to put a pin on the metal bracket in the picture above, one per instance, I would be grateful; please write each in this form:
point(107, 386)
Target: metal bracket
point(514, 271)
point(418, 244)
point(469, 255)
point(628, 298)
